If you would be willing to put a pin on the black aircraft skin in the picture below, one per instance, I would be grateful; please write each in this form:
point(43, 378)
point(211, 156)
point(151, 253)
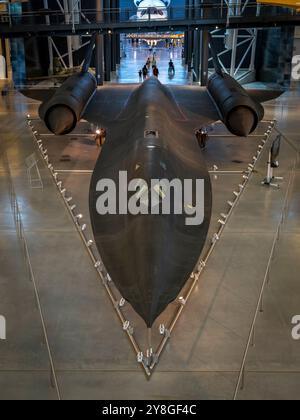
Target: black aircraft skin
point(150, 257)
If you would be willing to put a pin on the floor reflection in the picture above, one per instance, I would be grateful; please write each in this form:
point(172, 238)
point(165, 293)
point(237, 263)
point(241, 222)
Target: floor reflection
point(136, 57)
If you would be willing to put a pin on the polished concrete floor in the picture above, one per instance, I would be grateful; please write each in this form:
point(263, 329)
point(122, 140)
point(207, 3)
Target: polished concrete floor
point(136, 57)
point(92, 355)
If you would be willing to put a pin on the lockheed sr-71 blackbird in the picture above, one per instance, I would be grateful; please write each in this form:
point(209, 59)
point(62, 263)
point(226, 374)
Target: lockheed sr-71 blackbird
point(150, 135)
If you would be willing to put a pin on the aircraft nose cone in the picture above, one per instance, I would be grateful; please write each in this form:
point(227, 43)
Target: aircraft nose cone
point(60, 120)
point(158, 265)
point(241, 121)
point(151, 261)
point(149, 256)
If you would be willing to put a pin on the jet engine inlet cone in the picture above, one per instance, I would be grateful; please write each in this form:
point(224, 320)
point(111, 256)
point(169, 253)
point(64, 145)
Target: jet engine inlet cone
point(241, 121)
point(60, 120)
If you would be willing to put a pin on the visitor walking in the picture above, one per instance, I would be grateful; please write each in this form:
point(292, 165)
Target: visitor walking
point(145, 72)
point(155, 71)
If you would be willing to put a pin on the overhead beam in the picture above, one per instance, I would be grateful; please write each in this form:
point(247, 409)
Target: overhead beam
point(267, 21)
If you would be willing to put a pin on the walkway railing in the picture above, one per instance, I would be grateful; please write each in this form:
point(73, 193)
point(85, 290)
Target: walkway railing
point(222, 223)
point(259, 307)
point(135, 15)
point(21, 234)
point(81, 227)
point(150, 362)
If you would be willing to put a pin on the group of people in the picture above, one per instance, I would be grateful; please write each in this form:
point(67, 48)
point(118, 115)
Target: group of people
point(151, 62)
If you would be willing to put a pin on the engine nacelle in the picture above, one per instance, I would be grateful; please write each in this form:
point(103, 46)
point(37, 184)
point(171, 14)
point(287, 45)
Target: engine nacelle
point(237, 110)
point(65, 108)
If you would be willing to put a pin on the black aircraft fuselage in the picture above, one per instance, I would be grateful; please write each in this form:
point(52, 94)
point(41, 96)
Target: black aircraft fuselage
point(150, 256)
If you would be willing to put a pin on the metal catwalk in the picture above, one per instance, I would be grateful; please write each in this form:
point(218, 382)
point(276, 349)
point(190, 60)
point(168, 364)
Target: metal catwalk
point(201, 16)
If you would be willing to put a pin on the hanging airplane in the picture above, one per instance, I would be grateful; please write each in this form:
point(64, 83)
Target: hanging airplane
point(150, 136)
point(287, 4)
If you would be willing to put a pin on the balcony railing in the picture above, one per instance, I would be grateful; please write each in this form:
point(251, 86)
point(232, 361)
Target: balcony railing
point(143, 15)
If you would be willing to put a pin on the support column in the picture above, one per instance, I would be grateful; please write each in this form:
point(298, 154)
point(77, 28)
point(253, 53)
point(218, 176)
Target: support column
point(113, 52)
point(99, 46)
point(3, 71)
point(69, 38)
point(197, 36)
point(190, 36)
point(107, 55)
point(99, 59)
point(107, 42)
point(118, 52)
point(114, 4)
point(196, 64)
point(233, 51)
point(204, 58)
point(8, 60)
point(118, 40)
point(190, 42)
point(234, 10)
point(253, 50)
point(204, 50)
point(113, 36)
point(186, 36)
point(50, 46)
point(75, 9)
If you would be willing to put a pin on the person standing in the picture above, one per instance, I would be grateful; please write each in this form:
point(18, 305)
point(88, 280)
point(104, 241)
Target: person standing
point(201, 136)
point(100, 137)
point(103, 136)
point(145, 72)
point(155, 71)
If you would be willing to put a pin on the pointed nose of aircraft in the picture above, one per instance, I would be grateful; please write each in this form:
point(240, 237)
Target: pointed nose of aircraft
point(241, 121)
point(159, 262)
point(149, 256)
point(150, 260)
point(60, 120)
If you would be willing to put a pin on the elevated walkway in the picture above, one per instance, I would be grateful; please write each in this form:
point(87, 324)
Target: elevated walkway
point(205, 16)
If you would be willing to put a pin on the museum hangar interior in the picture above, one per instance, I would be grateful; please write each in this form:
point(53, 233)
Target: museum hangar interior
point(102, 303)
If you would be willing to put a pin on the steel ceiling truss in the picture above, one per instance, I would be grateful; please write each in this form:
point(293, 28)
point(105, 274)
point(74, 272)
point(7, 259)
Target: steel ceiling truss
point(233, 38)
point(237, 38)
point(72, 10)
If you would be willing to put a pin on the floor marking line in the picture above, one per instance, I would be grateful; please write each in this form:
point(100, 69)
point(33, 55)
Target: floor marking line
point(86, 171)
point(69, 135)
point(231, 135)
point(226, 172)
point(74, 171)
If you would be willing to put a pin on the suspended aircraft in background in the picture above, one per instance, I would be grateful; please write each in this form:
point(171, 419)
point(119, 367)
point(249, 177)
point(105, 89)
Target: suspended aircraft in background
point(290, 4)
point(150, 135)
point(151, 10)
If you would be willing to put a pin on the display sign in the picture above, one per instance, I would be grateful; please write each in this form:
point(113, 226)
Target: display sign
point(2, 328)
